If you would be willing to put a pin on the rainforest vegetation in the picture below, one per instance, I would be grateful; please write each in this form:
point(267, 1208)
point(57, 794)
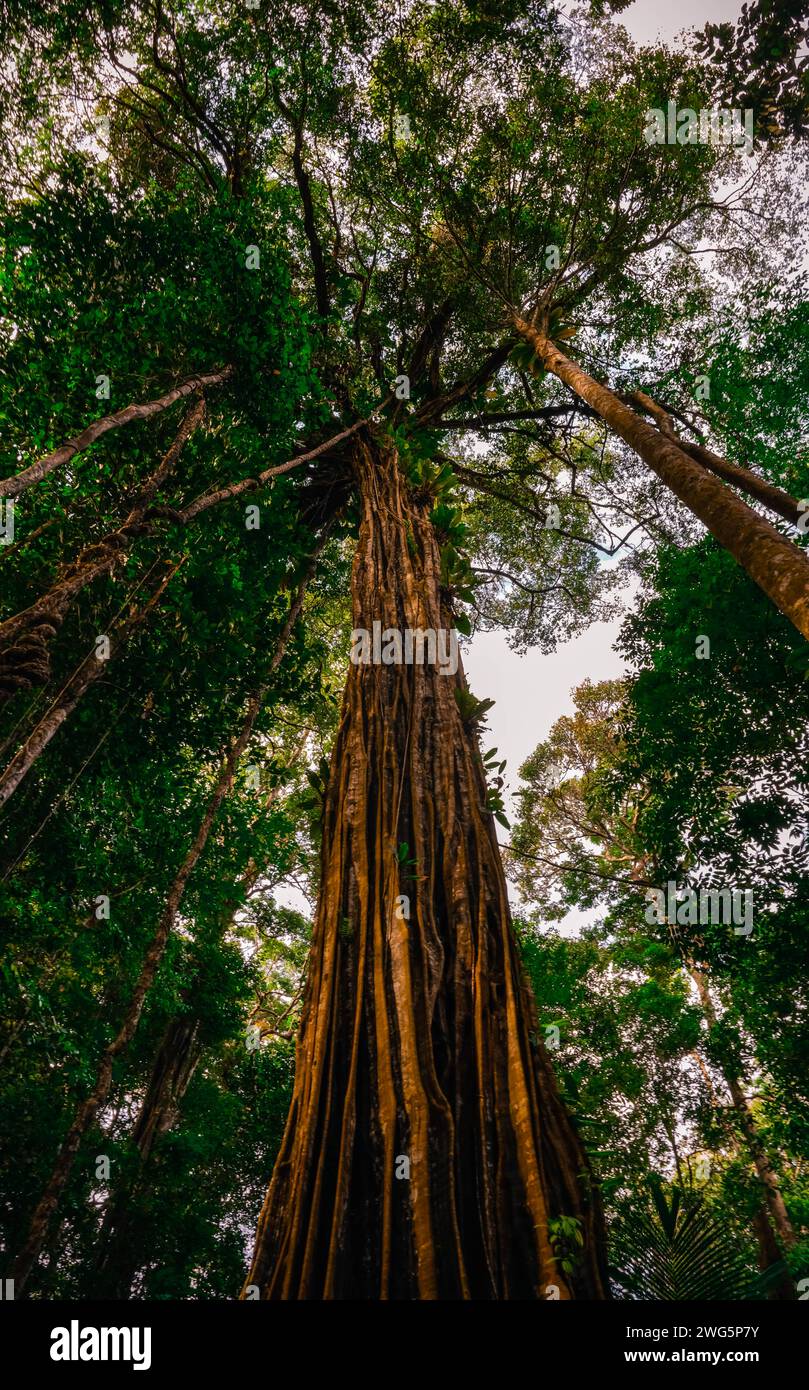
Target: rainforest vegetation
point(340, 316)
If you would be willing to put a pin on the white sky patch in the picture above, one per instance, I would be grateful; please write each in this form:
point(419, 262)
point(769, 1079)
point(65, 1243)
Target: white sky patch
point(531, 692)
point(652, 20)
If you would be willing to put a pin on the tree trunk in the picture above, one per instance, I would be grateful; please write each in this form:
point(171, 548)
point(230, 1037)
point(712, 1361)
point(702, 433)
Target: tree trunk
point(772, 497)
point(772, 1216)
point(769, 1254)
point(427, 1150)
point(172, 1072)
point(777, 565)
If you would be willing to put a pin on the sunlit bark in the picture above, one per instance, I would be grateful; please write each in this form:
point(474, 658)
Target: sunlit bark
point(775, 563)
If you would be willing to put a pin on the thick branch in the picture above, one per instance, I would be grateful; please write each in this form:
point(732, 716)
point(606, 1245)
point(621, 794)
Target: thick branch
point(13, 486)
point(77, 685)
point(545, 412)
point(435, 408)
point(25, 638)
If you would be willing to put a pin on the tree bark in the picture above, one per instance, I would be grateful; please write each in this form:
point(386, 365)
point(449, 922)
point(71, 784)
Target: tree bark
point(772, 497)
point(761, 1160)
point(769, 1254)
point(171, 1076)
point(427, 1149)
point(25, 638)
point(13, 486)
point(777, 565)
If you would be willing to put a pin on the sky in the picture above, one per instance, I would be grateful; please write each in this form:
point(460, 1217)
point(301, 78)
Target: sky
point(532, 691)
point(647, 20)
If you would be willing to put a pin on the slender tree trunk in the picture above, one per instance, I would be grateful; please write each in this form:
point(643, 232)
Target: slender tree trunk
point(772, 1216)
point(172, 1073)
point(772, 497)
point(776, 564)
point(783, 1236)
point(73, 691)
point(769, 1254)
point(427, 1149)
point(12, 487)
point(25, 638)
point(769, 1251)
point(88, 1109)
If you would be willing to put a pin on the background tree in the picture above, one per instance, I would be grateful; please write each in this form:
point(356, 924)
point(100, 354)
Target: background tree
point(681, 794)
